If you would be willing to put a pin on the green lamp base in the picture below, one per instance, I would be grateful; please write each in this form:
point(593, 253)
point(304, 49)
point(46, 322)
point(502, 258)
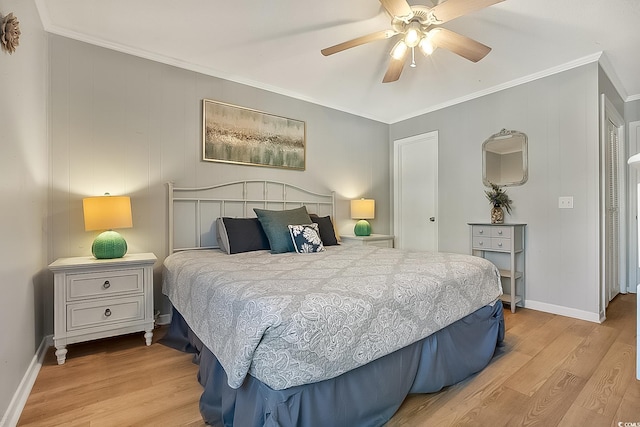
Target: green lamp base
point(362, 228)
point(109, 244)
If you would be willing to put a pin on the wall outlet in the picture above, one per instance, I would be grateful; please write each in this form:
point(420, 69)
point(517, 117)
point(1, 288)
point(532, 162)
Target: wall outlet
point(565, 202)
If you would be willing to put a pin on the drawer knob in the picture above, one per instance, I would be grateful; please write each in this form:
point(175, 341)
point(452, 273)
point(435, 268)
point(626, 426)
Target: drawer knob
point(107, 312)
point(499, 231)
point(500, 244)
point(106, 284)
point(481, 243)
point(481, 231)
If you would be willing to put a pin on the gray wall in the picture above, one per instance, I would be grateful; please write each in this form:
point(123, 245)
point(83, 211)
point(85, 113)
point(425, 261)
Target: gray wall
point(126, 126)
point(23, 191)
point(559, 114)
point(632, 111)
point(606, 86)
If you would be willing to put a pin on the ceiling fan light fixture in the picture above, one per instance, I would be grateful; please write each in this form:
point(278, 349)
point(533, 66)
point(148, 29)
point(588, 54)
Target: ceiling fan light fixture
point(426, 47)
point(399, 50)
point(419, 26)
point(413, 35)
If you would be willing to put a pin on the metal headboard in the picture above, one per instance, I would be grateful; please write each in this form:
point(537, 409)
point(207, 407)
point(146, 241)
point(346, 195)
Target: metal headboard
point(193, 211)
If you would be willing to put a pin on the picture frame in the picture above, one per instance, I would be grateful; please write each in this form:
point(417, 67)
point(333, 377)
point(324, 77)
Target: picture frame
point(239, 135)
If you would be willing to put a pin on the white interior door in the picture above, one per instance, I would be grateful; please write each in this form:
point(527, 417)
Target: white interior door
point(415, 213)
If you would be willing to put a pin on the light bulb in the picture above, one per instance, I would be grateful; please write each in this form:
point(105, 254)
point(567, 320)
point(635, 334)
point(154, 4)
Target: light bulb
point(413, 35)
point(426, 47)
point(399, 50)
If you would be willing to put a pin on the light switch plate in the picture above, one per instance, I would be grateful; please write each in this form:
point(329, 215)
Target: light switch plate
point(565, 202)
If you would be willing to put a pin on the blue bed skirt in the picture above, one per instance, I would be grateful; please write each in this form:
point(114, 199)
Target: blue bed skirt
point(366, 396)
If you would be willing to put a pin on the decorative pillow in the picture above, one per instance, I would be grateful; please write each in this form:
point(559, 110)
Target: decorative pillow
point(306, 238)
point(236, 235)
point(275, 225)
point(327, 231)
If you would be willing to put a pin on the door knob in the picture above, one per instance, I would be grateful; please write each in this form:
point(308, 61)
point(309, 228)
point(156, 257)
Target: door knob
point(432, 219)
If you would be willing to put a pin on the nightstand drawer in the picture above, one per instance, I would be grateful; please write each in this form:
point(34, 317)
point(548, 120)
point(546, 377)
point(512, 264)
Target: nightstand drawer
point(104, 312)
point(381, 240)
point(106, 283)
point(382, 243)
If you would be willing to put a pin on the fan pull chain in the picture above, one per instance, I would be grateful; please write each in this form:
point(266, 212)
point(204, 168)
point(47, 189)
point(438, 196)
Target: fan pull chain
point(413, 58)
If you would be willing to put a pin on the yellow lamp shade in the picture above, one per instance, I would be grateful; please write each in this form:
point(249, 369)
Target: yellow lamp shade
point(363, 209)
point(106, 213)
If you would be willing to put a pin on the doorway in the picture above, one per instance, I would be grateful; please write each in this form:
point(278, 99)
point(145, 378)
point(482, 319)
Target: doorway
point(415, 195)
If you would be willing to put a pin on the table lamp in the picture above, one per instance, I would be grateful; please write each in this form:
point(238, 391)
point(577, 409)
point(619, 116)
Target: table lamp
point(362, 210)
point(106, 213)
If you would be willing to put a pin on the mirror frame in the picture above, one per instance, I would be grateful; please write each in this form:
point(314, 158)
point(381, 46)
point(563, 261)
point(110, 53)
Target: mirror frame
point(505, 134)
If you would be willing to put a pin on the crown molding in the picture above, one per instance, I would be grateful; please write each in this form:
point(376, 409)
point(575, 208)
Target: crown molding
point(513, 83)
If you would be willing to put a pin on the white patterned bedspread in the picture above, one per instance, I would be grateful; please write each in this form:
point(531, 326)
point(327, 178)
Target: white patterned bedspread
point(291, 319)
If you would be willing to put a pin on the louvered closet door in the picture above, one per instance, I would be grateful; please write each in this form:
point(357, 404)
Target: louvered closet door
point(612, 224)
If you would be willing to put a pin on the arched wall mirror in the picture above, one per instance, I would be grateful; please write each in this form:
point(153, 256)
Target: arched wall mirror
point(504, 159)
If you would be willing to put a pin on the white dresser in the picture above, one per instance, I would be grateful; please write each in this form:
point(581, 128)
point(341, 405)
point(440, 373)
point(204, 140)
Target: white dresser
point(99, 298)
point(383, 240)
point(504, 245)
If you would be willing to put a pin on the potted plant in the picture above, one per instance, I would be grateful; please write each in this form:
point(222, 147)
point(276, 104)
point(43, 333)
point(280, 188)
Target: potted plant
point(499, 200)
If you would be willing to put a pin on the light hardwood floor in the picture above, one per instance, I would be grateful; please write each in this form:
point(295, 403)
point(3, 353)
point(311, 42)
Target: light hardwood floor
point(552, 371)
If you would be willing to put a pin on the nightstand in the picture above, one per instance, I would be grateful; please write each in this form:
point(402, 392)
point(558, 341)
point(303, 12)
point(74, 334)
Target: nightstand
point(382, 240)
point(100, 298)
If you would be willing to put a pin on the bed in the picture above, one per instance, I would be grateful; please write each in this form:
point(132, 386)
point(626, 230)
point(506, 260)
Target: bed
point(326, 334)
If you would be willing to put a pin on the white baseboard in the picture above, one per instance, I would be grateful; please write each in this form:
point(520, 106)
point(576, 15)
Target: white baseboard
point(12, 415)
point(563, 311)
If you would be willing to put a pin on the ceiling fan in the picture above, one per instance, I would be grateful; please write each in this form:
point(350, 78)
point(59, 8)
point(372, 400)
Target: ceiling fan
point(420, 27)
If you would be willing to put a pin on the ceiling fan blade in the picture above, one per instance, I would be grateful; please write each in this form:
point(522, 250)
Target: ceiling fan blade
point(394, 70)
point(452, 9)
point(380, 35)
point(462, 45)
point(398, 8)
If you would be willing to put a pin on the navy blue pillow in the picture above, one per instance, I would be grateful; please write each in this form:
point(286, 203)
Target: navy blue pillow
point(327, 232)
point(306, 238)
point(236, 235)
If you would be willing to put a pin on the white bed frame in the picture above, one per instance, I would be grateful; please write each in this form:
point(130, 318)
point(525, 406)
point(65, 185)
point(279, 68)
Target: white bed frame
point(193, 211)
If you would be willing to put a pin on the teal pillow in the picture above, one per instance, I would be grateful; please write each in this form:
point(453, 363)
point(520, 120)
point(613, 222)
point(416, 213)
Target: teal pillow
point(276, 226)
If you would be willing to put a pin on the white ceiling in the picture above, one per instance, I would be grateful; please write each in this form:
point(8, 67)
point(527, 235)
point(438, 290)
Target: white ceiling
point(275, 45)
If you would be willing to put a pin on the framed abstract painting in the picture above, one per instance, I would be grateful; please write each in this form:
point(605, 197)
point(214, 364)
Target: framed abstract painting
point(239, 135)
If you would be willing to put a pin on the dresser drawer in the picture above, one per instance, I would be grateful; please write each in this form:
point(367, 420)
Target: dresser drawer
point(103, 312)
point(500, 244)
point(481, 231)
point(105, 283)
point(481, 242)
point(498, 231)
